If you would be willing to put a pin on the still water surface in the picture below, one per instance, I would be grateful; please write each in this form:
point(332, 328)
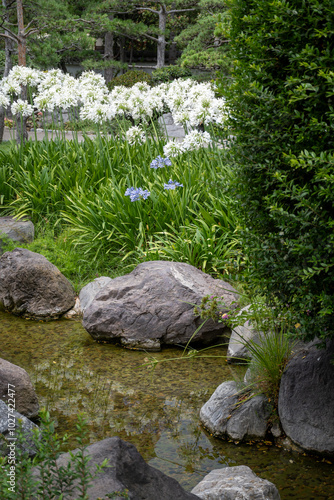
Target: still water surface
point(156, 410)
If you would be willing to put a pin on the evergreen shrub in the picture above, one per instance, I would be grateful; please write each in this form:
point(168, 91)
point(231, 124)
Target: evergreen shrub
point(281, 114)
point(169, 73)
point(130, 78)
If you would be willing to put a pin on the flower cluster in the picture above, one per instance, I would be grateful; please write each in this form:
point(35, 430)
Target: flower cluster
point(4, 100)
point(160, 162)
point(172, 184)
point(21, 107)
point(190, 103)
point(135, 135)
point(193, 104)
point(192, 141)
point(137, 193)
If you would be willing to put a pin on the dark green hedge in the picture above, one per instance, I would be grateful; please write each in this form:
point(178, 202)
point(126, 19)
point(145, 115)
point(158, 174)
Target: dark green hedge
point(130, 78)
point(282, 109)
point(169, 73)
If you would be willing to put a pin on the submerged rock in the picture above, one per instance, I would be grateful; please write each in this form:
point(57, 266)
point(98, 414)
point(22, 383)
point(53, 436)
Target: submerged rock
point(126, 472)
point(10, 422)
point(224, 417)
point(306, 403)
point(153, 305)
point(33, 287)
point(235, 483)
point(26, 401)
point(75, 312)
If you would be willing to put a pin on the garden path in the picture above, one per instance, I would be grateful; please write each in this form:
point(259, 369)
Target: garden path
point(173, 131)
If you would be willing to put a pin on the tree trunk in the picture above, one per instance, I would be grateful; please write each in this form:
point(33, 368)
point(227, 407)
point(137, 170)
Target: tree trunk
point(9, 48)
point(62, 66)
point(161, 37)
point(21, 121)
point(22, 42)
point(2, 122)
point(9, 44)
point(131, 52)
point(122, 55)
point(172, 45)
point(108, 55)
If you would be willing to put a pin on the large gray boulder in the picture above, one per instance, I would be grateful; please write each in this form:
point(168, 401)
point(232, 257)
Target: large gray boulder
point(10, 422)
point(33, 287)
point(153, 305)
point(235, 483)
point(127, 471)
point(26, 401)
point(223, 416)
point(21, 230)
point(89, 292)
point(306, 402)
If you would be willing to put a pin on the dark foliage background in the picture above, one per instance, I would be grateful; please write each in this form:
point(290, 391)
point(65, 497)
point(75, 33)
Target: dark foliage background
point(281, 105)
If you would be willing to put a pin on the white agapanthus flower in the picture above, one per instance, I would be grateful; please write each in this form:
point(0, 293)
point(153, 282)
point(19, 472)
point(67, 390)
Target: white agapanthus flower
point(4, 100)
point(135, 135)
point(21, 107)
point(191, 103)
point(98, 112)
point(196, 140)
point(219, 111)
point(50, 78)
point(181, 117)
point(173, 149)
point(10, 86)
point(23, 75)
point(92, 88)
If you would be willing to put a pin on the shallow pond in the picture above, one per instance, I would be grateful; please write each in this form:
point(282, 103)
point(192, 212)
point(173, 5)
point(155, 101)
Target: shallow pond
point(156, 410)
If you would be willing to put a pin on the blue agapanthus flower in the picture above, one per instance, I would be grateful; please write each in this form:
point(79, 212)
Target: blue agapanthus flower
point(137, 193)
point(172, 184)
point(160, 162)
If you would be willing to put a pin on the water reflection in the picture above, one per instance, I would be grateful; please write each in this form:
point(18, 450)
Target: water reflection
point(157, 411)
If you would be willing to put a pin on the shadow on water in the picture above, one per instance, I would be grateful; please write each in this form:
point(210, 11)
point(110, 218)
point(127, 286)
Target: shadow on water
point(156, 410)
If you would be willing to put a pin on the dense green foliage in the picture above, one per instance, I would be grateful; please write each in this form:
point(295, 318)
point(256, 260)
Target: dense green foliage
point(169, 73)
point(281, 105)
point(130, 78)
point(86, 206)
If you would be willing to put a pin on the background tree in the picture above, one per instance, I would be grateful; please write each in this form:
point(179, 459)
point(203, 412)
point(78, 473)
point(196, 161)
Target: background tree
point(281, 106)
point(164, 10)
point(134, 20)
point(118, 24)
point(204, 42)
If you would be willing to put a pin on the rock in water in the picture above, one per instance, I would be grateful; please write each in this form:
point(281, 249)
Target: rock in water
point(88, 292)
point(154, 305)
point(126, 471)
point(306, 403)
point(26, 401)
point(237, 349)
point(223, 417)
point(235, 483)
point(10, 423)
point(33, 287)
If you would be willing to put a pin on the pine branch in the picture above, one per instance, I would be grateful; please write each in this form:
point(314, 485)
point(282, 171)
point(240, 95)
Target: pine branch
point(14, 37)
point(181, 10)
